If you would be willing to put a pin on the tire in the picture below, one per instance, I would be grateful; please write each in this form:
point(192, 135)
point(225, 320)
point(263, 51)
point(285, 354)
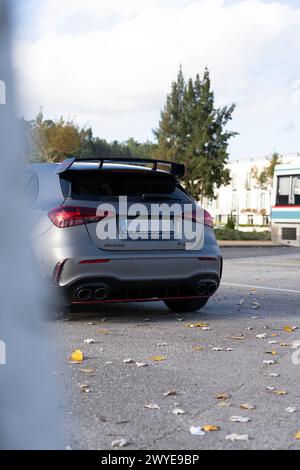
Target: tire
point(181, 306)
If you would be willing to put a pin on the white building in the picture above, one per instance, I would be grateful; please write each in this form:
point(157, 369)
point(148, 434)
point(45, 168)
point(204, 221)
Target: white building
point(249, 205)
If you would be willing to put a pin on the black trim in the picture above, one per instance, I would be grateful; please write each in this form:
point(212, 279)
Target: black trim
point(176, 169)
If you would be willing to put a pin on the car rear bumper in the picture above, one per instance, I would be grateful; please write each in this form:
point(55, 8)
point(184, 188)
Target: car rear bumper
point(139, 279)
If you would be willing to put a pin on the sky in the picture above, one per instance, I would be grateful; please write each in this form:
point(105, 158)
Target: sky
point(109, 64)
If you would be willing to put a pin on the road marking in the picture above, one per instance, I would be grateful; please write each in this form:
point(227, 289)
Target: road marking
point(226, 284)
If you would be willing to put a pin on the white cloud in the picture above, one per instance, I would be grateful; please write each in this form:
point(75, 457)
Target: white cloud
point(116, 75)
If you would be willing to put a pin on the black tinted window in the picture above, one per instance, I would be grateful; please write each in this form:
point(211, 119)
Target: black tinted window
point(94, 185)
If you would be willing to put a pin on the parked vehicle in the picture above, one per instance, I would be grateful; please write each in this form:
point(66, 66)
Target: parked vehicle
point(65, 202)
point(286, 205)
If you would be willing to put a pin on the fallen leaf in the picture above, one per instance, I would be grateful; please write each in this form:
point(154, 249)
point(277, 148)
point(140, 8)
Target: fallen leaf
point(178, 411)
point(238, 338)
point(274, 335)
point(77, 356)
point(274, 374)
point(290, 329)
point(152, 406)
point(198, 348)
point(141, 364)
point(291, 409)
point(158, 358)
point(269, 363)
point(273, 342)
point(223, 396)
point(280, 392)
point(120, 443)
point(285, 345)
point(196, 431)
point(198, 325)
point(261, 336)
point(246, 406)
point(225, 404)
point(297, 435)
point(237, 437)
point(85, 388)
point(210, 428)
point(87, 371)
point(161, 345)
point(103, 332)
point(270, 389)
point(170, 393)
point(239, 419)
point(89, 341)
point(128, 361)
point(272, 353)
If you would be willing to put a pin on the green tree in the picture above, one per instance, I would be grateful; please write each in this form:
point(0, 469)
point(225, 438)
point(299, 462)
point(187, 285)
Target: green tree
point(193, 131)
point(264, 178)
point(53, 141)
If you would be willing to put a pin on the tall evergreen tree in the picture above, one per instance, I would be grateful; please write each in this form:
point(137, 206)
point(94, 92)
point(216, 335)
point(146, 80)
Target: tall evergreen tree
point(193, 131)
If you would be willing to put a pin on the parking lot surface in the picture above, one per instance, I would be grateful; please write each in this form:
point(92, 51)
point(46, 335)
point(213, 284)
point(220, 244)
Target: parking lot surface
point(198, 357)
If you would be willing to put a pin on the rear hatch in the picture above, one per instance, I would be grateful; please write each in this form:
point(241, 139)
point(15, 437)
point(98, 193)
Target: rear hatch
point(92, 188)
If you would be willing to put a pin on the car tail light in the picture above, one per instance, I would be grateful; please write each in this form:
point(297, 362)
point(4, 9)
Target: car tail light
point(207, 219)
point(71, 216)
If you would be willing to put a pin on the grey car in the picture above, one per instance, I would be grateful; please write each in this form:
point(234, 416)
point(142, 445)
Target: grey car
point(64, 200)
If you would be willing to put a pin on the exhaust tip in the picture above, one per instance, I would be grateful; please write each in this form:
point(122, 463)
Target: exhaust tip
point(202, 288)
point(101, 293)
point(212, 288)
point(84, 295)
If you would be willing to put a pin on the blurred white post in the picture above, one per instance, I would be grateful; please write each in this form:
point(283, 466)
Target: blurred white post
point(28, 404)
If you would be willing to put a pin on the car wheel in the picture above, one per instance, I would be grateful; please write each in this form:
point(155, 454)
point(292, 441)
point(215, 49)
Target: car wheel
point(181, 306)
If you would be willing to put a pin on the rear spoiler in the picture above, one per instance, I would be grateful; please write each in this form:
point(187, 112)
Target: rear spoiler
point(175, 169)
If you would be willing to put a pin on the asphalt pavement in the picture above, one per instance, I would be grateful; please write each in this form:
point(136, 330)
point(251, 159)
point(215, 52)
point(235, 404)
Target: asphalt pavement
point(105, 398)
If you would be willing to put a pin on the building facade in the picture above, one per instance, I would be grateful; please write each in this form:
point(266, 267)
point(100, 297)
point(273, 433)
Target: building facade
point(243, 200)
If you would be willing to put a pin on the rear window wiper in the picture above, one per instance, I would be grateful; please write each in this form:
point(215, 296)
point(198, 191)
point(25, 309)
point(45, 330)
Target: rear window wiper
point(160, 197)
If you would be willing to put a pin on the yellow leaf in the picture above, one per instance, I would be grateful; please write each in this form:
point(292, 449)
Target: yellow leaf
point(198, 325)
point(246, 406)
point(210, 428)
point(280, 392)
point(77, 356)
point(289, 329)
point(274, 335)
point(158, 358)
point(103, 332)
point(198, 348)
point(297, 435)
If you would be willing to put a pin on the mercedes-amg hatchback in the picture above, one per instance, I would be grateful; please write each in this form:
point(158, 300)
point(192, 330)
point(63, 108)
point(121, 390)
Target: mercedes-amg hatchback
point(89, 268)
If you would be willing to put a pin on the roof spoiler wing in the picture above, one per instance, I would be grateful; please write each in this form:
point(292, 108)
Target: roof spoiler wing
point(176, 169)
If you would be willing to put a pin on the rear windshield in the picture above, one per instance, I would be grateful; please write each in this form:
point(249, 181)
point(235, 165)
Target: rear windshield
point(92, 185)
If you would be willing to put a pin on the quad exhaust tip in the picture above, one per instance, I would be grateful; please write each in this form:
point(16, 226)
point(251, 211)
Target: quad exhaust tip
point(101, 293)
point(207, 288)
point(87, 294)
point(202, 288)
point(84, 295)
